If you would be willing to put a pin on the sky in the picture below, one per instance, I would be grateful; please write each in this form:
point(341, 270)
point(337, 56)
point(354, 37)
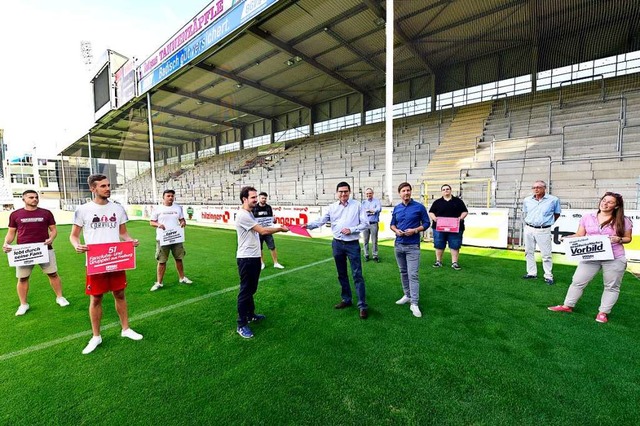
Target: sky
point(45, 94)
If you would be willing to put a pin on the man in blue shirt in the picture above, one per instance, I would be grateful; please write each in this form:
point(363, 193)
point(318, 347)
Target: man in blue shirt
point(372, 207)
point(539, 211)
point(408, 220)
point(348, 219)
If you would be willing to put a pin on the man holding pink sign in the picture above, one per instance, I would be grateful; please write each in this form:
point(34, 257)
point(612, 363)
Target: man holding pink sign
point(102, 221)
point(447, 214)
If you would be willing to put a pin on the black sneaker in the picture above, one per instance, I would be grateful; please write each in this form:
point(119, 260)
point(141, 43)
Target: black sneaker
point(366, 258)
point(437, 264)
point(455, 266)
point(377, 260)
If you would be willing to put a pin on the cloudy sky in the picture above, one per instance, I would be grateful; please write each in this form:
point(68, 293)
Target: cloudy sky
point(45, 95)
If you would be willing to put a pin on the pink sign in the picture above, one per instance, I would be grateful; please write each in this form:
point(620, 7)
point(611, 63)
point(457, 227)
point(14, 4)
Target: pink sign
point(110, 257)
point(299, 230)
point(448, 224)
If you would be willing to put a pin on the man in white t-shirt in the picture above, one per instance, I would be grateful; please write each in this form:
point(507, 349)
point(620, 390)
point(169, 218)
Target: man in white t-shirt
point(168, 217)
point(102, 221)
point(249, 259)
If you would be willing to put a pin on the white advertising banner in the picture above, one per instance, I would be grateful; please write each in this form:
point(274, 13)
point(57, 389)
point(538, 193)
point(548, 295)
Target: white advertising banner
point(593, 247)
point(486, 228)
point(28, 254)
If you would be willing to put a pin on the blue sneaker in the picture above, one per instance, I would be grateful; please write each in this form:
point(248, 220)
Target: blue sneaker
point(256, 318)
point(245, 332)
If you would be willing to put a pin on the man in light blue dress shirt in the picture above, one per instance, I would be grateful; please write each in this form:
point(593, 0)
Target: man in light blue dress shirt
point(539, 211)
point(348, 219)
point(372, 207)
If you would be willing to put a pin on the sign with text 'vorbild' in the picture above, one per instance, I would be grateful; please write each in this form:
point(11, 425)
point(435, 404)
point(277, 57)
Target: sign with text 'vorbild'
point(110, 257)
point(592, 247)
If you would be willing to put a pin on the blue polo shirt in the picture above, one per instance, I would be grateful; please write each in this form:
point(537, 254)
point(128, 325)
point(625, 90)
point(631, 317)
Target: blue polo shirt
point(540, 212)
point(410, 216)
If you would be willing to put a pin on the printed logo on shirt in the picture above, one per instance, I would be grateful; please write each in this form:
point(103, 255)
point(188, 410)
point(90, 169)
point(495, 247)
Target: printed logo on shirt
point(31, 219)
point(104, 222)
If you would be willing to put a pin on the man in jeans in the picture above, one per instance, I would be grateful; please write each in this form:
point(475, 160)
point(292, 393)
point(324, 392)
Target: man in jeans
point(249, 259)
point(348, 219)
point(408, 219)
point(372, 207)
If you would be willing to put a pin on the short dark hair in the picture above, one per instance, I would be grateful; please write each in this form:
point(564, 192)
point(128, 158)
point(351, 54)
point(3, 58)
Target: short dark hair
point(168, 191)
point(29, 191)
point(92, 179)
point(404, 185)
point(341, 184)
point(244, 192)
point(263, 193)
point(447, 185)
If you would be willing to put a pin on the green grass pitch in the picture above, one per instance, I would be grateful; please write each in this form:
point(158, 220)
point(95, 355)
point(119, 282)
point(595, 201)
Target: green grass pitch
point(486, 352)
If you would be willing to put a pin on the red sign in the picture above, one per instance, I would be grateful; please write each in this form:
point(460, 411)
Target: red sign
point(110, 257)
point(448, 224)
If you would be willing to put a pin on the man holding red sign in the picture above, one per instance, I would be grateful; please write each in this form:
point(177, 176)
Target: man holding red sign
point(102, 221)
point(447, 207)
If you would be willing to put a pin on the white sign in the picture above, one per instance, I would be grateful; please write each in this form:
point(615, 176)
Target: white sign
point(172, 236)
point(28, 254)
point(593, 247)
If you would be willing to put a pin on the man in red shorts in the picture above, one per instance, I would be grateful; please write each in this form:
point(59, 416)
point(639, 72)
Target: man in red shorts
point(102, 221)
point(33, 224)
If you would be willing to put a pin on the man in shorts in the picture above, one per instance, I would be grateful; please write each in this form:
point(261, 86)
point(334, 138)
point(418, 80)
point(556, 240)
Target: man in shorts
point(264, 216)
point(168, 216)
point(102, 221)
point(33, 224)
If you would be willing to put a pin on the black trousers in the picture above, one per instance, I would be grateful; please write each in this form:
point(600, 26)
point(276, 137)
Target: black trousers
point(249, 271)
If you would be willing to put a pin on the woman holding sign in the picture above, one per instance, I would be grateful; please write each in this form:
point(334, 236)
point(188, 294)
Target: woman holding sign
point(449, 230)
point(609, 220)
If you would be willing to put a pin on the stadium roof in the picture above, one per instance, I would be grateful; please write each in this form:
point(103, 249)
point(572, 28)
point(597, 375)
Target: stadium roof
point(302, 54)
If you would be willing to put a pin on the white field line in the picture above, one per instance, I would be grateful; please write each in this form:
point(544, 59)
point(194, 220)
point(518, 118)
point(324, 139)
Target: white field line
point(158, 311)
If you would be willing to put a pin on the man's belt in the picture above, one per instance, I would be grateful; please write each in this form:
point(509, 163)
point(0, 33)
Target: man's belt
point(539, 227)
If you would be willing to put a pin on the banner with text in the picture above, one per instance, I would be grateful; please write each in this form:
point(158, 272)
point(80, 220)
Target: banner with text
point(28, 254)
point(592, 247)
point(172, 236)
point(110, 257)
point(238, 15)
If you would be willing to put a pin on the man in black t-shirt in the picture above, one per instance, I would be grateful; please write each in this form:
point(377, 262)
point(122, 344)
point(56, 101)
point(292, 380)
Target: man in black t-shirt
point(448, 206)
point(264, 216)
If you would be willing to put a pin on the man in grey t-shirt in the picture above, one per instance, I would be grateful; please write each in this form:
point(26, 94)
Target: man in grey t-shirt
point(249, 259)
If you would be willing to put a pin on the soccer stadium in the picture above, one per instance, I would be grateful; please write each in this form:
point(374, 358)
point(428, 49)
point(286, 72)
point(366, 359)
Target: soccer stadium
point(294, 97)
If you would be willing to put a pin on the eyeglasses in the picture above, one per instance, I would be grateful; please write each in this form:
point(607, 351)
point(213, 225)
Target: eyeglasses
point(445, 189)
point(537, 187)
point(344, 192)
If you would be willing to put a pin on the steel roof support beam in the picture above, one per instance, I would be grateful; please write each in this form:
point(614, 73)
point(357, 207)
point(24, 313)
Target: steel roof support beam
point(353, 49)
point(230, 76)
point(380, 13)
point(196, 117)
point(285, 47)
point(213, 101)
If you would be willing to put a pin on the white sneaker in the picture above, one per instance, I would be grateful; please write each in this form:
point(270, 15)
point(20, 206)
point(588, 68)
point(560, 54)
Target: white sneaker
point(22, 309)
point(278, 266)
point(403, 300)
point(62, 301)
point(262, 266)
point(156, 286)
point(131, 334)
point(415, 310)
point(92, 345)
point(185, 280)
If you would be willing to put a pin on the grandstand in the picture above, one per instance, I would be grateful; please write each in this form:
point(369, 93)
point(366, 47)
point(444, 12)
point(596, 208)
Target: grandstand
point(302, 107)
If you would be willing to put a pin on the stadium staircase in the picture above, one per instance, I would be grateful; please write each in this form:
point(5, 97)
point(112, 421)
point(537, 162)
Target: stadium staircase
point(457, 149)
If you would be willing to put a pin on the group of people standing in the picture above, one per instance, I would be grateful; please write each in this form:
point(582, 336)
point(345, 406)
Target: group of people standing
point(103, 221)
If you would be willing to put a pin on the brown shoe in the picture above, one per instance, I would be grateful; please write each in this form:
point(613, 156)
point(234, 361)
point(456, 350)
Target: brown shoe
point(364, 314)
point(343, 305)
